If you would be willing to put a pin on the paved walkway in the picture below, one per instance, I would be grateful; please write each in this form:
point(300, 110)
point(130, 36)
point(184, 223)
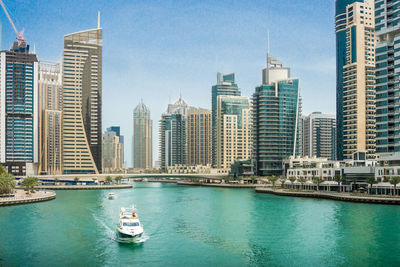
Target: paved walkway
point(333, 196)
point(20, 197)
point(85, 187)
point(219, 185)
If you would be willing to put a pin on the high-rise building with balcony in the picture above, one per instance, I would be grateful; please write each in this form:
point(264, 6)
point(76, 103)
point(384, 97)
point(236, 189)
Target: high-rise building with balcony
point(142, 145)
point(355, 83)
point(226, 85)
point(82, 102)
point(19, 135)
point(233, 130)
point(50, 118)
point(319, 135)
point(113, 151)
point(276, 112)
point(198, 137)
point(172, 133)
point(387, 60)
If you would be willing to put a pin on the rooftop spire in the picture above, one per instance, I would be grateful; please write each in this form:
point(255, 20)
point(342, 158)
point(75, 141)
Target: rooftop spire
point(98, 20)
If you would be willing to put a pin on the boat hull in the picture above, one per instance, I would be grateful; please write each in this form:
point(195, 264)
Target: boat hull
point(124, 235)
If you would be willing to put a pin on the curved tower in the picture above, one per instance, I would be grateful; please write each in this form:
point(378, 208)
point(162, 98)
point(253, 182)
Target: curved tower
point(82, 93)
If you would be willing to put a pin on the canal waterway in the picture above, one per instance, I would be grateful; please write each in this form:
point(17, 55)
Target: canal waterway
point(195, 226)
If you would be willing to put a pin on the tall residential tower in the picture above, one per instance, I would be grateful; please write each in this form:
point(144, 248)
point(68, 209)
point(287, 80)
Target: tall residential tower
point(50, 118)
point(198, 137)
point(355, 84)
point(82, 102)
point(387, 76)
point(19, 135)
point(142, 145)
point(276, 112)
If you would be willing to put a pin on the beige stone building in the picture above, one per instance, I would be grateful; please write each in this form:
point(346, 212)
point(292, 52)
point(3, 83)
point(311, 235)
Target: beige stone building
point(50, 118)
point(233, 130)
point(198, 137)
point(82, 93)
point(358, 106)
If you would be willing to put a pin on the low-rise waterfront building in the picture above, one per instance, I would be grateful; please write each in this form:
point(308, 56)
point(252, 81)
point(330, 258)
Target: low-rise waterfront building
point(197, 169)
point(388, 166)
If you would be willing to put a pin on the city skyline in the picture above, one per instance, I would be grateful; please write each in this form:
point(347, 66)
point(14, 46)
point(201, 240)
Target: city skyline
point(150, 67)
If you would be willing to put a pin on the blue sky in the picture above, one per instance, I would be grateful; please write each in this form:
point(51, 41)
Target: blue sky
point(155, 50)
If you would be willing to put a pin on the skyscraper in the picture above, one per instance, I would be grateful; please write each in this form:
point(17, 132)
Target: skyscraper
point(319, 135)
point(226, 85)
point(173, 135)
point(276, 111)
point(82, 102)
point(198, 137)
point(387, 76)
point(233, 130)
point(113, 148)
point(19, 135)
point(50, 118)
point(142, 145)
point(355, 83)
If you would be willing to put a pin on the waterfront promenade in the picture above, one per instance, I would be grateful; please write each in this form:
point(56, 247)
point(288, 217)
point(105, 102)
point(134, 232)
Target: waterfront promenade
point(219, 185)
point(349, 197)
point(20, 197)
point(85, 187)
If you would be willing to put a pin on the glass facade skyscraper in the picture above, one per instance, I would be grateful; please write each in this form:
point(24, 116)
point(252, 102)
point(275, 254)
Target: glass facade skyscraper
point(387, 21)
point(173, 135)
point(276, 111)
point(19, 134)
point(226, 85)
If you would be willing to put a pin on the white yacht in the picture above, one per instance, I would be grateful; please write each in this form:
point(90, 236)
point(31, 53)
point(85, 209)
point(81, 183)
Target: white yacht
point(129, 224)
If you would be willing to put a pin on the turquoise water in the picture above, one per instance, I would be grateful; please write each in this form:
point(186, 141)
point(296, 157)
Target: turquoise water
point(194, 226)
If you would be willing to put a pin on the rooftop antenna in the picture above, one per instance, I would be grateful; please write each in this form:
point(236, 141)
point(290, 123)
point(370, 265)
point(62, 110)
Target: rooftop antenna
point(98, 19)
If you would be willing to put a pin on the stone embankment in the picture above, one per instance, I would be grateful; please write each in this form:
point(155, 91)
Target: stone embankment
point(20, 197)
point(218, 185)
point(85, 187)
point(333, 196)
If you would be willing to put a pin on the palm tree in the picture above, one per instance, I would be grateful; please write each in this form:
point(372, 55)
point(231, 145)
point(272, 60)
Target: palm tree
point(317, 180)
point(292, 179)
point(338, 179)
point(394, 181)
point(302, 181)
point(282, 180)
point(30, 183)
point(55, 181)
point(76, 179)
point(108, 179)
point(354, 182)
point(94, 179)
point(371, 181)
point(273, 180)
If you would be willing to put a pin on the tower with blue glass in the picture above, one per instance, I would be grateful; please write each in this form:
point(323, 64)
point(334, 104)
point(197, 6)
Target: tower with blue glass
point(227, 86)
point(19, 138)
point(276, 110)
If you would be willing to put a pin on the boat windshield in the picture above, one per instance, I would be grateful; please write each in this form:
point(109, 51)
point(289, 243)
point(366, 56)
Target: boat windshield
point(130, 224)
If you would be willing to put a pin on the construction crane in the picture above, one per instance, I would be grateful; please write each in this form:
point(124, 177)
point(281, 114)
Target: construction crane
point(20, 34)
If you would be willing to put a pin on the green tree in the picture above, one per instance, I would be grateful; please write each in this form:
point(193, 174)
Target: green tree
point(317, 180)
point(371, 181)
point(394, 181)
point(76, 179)
point(272, 179)
point(302, 181)
point(108, 179)
point(30, 183)
point(118, 179)
point(282, 180)
point(338, 179)
point(7, 181)
point(292, 179)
